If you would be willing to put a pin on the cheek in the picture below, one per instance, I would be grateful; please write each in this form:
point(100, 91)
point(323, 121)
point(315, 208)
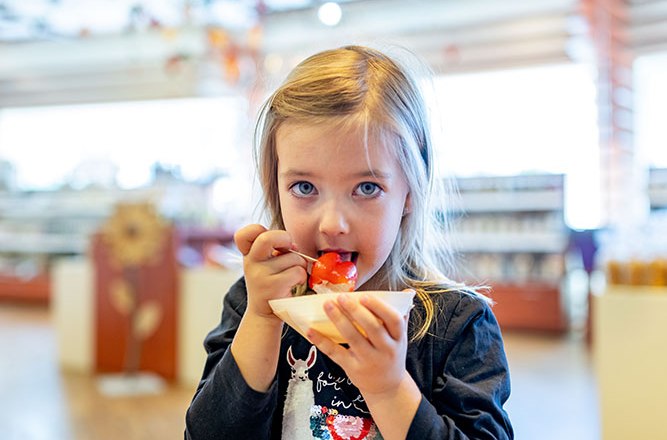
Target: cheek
point(287, 208)
point(377, 241)
point(297, 224)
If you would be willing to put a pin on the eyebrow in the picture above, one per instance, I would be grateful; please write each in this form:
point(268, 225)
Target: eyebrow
point(378, 174)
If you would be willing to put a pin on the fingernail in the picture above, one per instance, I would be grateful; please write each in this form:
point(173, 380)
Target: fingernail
point(328, 306)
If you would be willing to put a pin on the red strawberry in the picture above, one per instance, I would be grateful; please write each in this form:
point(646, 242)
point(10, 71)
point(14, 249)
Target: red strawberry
point(332, 269)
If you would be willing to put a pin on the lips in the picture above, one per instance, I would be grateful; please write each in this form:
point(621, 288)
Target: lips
point(344, 255)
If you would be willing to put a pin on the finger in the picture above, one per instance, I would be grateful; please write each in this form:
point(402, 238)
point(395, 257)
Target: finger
point(284, 262)
point(394, 323)
point(295, 275)
point(245, 237)
point(279, 276)
point(265, 245)
point(334, 351)
point(345, 323)
point(367, 322)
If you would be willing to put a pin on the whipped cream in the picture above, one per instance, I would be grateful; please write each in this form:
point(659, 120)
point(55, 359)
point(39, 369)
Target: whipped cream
point(327, 287)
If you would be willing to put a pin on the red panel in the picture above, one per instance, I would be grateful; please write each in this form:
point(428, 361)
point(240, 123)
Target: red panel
point(529, 306)
point(33, 290)
point(153, 283)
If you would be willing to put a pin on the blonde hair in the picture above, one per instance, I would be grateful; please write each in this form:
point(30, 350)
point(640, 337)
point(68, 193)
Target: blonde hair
point(360, 86)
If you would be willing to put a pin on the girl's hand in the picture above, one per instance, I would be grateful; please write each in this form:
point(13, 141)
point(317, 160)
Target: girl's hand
point(377, 341)
point(268, 272)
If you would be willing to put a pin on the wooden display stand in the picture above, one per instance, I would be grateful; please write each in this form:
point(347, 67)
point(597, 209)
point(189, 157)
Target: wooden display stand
point(528, 306)
point(629, 345)
point(200, 297)
point(135, 310)
point(34, 290)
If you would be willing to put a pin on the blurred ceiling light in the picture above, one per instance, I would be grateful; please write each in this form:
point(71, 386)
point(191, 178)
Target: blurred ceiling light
point(330, 13)
point(26, 20)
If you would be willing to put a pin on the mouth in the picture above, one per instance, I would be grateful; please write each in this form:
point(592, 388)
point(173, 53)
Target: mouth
point(344, 255)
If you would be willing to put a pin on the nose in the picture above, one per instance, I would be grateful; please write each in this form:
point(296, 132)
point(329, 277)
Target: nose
point(333, 219)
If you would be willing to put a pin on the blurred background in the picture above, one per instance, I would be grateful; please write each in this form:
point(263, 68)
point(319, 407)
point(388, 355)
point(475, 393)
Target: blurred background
point(126, 166)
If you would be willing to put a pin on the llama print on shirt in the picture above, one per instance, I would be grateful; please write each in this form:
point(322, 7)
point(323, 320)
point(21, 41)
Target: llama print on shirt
point(327, 407)
point(299, 398)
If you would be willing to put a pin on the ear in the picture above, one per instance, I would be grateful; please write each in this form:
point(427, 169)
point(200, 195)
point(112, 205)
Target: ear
point(312, 355)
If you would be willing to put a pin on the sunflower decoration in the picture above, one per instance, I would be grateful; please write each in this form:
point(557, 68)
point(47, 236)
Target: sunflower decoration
point(135, 234)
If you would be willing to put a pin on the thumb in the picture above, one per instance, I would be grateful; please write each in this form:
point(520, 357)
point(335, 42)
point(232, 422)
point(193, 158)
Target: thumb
point(246, 236)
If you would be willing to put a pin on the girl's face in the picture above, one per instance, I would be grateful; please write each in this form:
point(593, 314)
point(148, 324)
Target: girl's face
point(331, 200)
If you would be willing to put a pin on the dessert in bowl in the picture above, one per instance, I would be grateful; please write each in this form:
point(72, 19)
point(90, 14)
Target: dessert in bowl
point(329, 276)
point(307, 311)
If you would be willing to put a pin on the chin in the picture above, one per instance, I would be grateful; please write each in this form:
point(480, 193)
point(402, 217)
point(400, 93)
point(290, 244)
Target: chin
point(368, 284)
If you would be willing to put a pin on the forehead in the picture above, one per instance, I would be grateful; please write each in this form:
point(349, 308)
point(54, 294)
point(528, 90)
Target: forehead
point(334, 143)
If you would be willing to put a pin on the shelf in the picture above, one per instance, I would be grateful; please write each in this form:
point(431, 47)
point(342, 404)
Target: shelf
point(657, 188)
point(513, 201)
point(60, 221)
point(658, 198)
point(512, 229)
point(80, 204)
point(508, 242)
point(37, 243)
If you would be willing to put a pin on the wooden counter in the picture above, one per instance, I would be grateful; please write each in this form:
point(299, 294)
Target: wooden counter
point(630, 349)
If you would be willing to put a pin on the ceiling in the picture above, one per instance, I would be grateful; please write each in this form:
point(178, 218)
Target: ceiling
point(165, 59)
point(35, 20)
point(158, 49)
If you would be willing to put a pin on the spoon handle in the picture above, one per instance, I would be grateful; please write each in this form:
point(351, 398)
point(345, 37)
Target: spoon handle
point(307, 257)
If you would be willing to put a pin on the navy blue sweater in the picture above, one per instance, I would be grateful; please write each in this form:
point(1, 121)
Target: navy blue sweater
point(460, 368)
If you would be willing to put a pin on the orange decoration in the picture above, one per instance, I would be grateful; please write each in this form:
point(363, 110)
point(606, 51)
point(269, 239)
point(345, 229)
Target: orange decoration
point(136, 282)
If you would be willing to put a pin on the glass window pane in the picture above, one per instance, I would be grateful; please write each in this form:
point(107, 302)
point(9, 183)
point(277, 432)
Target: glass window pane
point(49, 146)
point(538, 119)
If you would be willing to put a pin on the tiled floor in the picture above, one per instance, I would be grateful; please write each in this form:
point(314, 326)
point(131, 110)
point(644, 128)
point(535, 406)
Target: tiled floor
point(553, 395)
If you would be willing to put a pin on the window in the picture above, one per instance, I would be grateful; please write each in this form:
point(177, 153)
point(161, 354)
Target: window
point(650, 91)
point(121, 142)
point(537, 119)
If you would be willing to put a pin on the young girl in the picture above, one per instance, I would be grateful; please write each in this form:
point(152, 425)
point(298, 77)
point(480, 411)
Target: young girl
point(345, 165)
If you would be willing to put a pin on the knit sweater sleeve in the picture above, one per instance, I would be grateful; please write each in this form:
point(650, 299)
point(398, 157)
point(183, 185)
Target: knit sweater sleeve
point(224, 406)
point(472, 384)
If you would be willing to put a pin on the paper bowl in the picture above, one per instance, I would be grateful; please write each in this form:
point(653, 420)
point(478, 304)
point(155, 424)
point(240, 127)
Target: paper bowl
point(304, 312)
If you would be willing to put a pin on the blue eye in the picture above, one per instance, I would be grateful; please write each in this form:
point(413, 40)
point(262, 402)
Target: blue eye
point(303, 188)
point(368, 189)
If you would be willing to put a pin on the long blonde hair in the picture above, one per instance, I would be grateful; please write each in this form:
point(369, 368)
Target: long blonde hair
point(360, 85)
